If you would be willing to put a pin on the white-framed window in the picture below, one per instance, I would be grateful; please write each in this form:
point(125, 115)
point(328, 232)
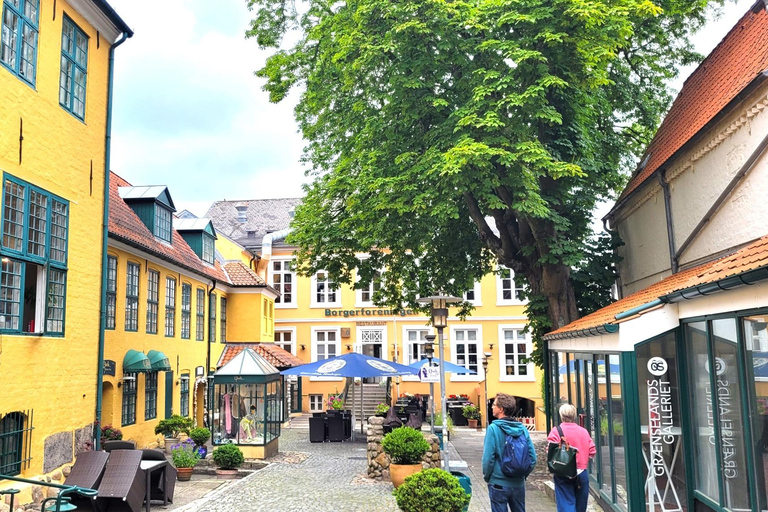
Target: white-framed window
point(316, 403)
point(467, 351)
point(326, 344)
point(514, 350)
point(473, 296)
point(413, 347)
point(283, 279)
point(364, 296)
point(509, 290)
point(285, 338)
point(325, 292)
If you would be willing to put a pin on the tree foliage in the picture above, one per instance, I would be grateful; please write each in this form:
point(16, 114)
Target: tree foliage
point(446, 136)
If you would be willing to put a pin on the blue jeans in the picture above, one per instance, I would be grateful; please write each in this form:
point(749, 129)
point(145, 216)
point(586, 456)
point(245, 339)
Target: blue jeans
point(503, 497)
point(572, 494)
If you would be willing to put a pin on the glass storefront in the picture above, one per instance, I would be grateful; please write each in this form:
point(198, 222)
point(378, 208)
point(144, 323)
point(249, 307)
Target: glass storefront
point(756, 345)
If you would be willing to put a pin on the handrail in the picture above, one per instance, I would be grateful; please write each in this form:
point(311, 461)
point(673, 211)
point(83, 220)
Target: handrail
point(66, 489)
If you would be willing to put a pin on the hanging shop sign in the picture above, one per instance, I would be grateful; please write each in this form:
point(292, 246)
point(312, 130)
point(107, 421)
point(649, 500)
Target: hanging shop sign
point(109, 367)
point(429, 374)
point(346, 313)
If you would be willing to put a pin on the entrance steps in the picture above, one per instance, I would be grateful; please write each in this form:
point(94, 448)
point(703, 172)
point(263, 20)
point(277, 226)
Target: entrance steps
point(372, 395)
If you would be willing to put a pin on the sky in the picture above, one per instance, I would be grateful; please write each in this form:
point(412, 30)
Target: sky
point(189, 113)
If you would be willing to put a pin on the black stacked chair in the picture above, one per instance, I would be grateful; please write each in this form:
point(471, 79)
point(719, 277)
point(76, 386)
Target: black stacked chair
point(317, 429)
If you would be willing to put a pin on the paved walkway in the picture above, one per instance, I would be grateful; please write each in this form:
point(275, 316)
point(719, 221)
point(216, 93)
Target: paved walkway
point(330, 477)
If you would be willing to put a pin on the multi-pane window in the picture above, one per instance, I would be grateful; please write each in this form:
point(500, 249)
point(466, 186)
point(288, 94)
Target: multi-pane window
point(18, 42)
point(325, 289)
point(414, 347)
point(509, 289)
point(515, 350)
point(34, 259)
point(365, 295)
point(325, 345)
point(315, 403)
point(473, 295)
point(284, 340)
point(129, 399)
point(153, 283)
point(111, 291)
point(170, 307)
point(208, 251)
point(15, 429)
point(162, 223)
point(465, 342)
point(186, 310)
point(150, 396)
point(74, 68)
point(223, 320)
point(184, 398)
point(212, 320)
point(283, 277)
point(200, 315)
point(132, 297)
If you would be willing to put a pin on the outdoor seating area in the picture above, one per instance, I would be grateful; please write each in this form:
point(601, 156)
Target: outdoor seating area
point(333, 426)
point(125, 479)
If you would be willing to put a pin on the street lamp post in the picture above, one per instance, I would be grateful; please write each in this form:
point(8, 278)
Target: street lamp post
point(439, 311)
point(486, 357)
point(429, 351)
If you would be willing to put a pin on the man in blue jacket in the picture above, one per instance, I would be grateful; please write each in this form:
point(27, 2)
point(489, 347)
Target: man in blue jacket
point(503, 490)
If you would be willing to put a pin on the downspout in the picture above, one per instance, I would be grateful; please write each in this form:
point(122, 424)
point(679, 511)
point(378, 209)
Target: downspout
point(266, 248)
point(104, 235)
point(208, 355)
point(670, 232)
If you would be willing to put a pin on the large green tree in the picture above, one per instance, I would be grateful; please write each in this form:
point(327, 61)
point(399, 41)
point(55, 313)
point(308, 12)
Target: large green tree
point(445, 136)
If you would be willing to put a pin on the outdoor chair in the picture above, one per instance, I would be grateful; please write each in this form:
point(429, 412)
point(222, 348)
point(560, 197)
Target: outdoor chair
point(122, 487)
point(118, 445)
point(160, 487)
point(87, 472)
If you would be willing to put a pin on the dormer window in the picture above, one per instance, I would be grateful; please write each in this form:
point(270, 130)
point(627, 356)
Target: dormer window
point(199, 235)
point(208, 249)
point(241, 213)
point(162, 223)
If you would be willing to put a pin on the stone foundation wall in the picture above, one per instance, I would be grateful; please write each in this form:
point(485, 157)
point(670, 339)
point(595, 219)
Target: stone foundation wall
point(378, 461)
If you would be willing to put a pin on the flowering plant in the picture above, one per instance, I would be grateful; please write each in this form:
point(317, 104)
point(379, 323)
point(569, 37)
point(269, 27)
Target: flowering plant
point(452, 397)
point(463, 396)
point(335, 403)
point(110, 433)
point(184, 454)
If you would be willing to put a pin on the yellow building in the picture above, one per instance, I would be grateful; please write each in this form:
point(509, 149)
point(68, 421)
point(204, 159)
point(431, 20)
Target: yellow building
point(55, 94)
point(316, 320)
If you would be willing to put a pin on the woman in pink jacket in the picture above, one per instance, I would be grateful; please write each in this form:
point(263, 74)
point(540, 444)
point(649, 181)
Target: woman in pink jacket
point(571, 494)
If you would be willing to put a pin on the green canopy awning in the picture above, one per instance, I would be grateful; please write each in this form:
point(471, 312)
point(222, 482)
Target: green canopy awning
point(135, 362)
point(159, 361)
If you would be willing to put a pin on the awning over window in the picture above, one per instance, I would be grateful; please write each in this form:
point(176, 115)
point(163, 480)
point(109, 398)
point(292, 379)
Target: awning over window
point(159, 361)
point(135, 362)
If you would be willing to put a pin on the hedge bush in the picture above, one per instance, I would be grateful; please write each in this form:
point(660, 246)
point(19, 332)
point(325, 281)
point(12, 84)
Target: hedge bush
point(431, 490)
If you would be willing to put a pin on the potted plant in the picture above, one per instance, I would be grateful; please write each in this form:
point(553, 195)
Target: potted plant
point(472, 413)
point(381, 410)
point(405, 446)
point(228, 457)
point(200, 436)
point(335, 403)
point(110, 433)
point(433, 489)
point(171, 428)
point(184, 457)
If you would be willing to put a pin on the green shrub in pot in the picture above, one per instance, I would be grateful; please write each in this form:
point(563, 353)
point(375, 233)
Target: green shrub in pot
point(431, 490)
point(228, 456)
point(405, 445)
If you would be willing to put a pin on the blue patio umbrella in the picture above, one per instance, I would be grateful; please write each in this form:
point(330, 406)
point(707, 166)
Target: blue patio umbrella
point(449, 367)
point(351, 365)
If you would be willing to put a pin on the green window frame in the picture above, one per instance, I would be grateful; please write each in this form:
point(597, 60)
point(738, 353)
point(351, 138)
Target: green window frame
point(184, 395)
point(186, 310)
point(212, 320)
point(33, 274)
point(129, 399)
point(18, 42)
point(200, 322)
point(132, 297)
point(170, 307)
point(162, 223)
point(74, 68)
point(111, 292)
point(150, 395)
point(153, 283)
point(15, 446)
point(208, 249)
point(223, 321)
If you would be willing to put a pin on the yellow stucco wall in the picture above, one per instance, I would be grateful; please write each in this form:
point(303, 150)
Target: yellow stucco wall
point(55, 377)
point(246, 319)
point(231, 250)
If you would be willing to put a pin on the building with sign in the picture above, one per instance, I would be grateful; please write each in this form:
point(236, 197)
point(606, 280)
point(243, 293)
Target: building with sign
point(671, 378)
point(315, 319)
point(55, 100)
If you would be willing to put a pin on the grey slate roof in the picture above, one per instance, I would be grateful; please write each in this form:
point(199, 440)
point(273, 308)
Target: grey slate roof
point(262, 216)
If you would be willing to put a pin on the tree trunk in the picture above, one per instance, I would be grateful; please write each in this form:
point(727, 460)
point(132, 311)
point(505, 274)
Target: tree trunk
point(553, 283)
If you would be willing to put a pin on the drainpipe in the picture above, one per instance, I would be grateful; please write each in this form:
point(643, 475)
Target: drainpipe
point(208, 354)
point(673, 263)
point(104, 235)
point(266, 247)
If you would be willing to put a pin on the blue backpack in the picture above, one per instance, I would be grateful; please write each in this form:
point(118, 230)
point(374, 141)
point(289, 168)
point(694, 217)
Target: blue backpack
point(516, 459)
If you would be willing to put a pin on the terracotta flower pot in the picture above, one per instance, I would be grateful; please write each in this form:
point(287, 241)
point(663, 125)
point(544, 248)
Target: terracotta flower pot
point(183, 474)
point(472, 423)
point(398, 472)
point(226, 474)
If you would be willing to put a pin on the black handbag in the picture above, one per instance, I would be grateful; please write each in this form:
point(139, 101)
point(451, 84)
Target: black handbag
point(561, 457)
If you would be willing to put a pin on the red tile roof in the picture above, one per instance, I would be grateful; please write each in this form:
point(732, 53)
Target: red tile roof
point(275, 355)
point(125, 226)
point(751, 257)
point(240, 275)
point(735, 63)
